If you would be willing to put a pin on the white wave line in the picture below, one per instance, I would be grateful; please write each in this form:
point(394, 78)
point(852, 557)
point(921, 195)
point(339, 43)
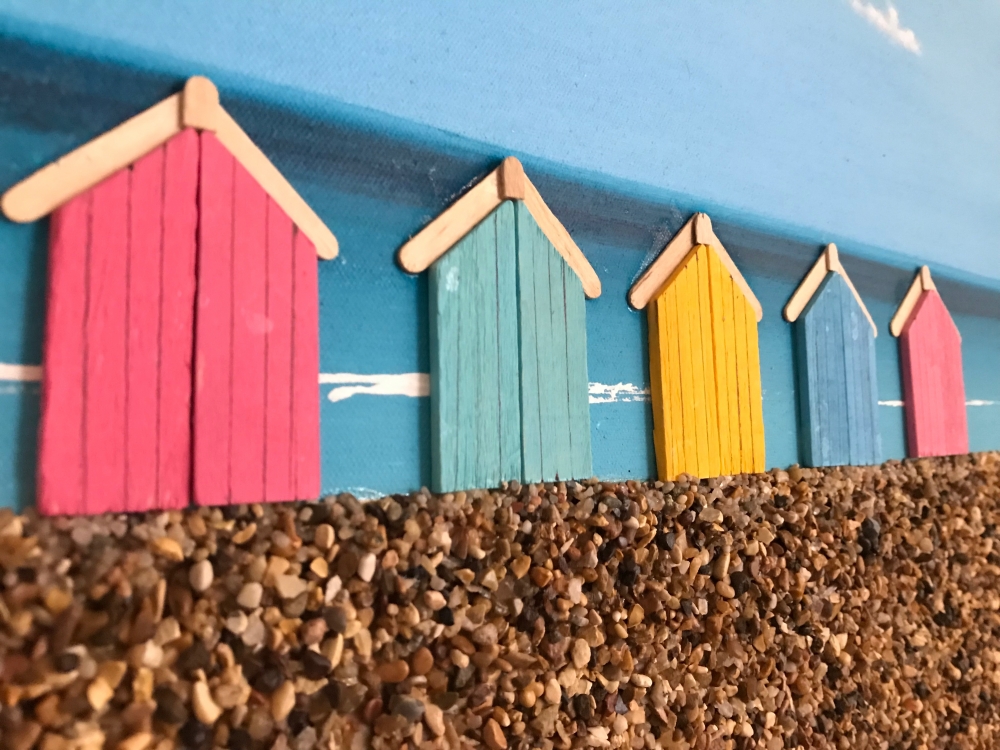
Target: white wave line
point(601, 393)
point(21, 373)
point(412, 384)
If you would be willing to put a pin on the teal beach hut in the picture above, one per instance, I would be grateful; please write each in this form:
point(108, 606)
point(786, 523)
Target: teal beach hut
point(835, 368)
point(508, 337)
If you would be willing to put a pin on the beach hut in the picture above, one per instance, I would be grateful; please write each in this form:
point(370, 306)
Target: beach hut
point(703, 360)
point(181, 344)
point(930, 356)
point(835, 368)
point(508, 337)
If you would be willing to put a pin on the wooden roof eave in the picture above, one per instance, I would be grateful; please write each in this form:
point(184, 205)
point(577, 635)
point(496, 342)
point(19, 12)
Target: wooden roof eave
point(828, 262)
point(697, 231)
point(922, 282)
point(198, 107)
point(506, 182)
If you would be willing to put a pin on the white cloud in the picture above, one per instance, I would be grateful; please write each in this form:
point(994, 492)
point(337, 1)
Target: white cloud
point(887, 21)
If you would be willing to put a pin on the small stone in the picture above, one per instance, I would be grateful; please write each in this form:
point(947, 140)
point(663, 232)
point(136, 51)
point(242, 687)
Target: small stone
point(581, 653)
point(641, 680)
point(434, 719)
point(324, 536)
point(245, 534)
point(520, 566)
point(269, 680)
point(237, 622)
point(99, 692)
point(312, 631)
point(138, 741)
point(250, 595)
point(289, 587)
point(255, 631)
point(24, 736)
point(315, 665)
point(408, 708)
point(194, 734)
point(336, 619)
point(320, 567)
point(394, 671)
point(283, 701)
point(168, 548)
point(57, 600)
point(435, 600)
point(205, 708)
point(421, 662)
point(201, 576)
point(66, 662)
point(366, 567)
point(553, 691)
point(493, 735)
point(170, 708)
point(541, 577)
point(636, 616)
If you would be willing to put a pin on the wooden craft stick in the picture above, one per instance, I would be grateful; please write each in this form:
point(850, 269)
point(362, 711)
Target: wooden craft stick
point(828, 262)
point(451, 225)
point(81, 169)
point(805, 291)
point(561, 240)
point(660, 269)
point(922, 282)
point(512, 179)
point(231, 135)
point(200, 104)
point(196, 107)
point(926, 282)
point(697, 231)
point(506, 182)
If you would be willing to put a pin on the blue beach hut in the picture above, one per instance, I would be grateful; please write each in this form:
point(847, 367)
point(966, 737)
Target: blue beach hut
point(835, 368)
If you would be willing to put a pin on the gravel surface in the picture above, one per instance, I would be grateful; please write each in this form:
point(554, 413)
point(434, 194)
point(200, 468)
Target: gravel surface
point(843, 608)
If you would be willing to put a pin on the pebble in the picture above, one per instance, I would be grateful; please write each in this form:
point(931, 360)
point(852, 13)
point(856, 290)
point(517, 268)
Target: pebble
point(366, 567)
point(435, 600)
point(201, 576)
point(493, 735)
point(289, 586)
point(519, 567)
point(205, 708)
point(434, 719)
point(394, 671)
point(324, 536)
point(732, 612)
point(250, 595)
point(168, 548)
point(421, 662)
point(283, 701)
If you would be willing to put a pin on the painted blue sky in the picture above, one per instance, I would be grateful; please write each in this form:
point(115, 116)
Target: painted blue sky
point(832, 119)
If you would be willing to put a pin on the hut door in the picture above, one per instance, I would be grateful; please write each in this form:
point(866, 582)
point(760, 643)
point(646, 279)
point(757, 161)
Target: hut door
point(508, 359)
point(116, 397)
point(180, 257)
point(256, 394)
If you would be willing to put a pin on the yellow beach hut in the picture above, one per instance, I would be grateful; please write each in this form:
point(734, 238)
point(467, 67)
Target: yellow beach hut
point(703, 358)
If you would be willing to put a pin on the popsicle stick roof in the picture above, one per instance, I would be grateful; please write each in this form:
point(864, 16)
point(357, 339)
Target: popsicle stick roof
point(196, 107)
point(828, 262)
point(697, 231)
point(506, 182)
point(922, 282)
